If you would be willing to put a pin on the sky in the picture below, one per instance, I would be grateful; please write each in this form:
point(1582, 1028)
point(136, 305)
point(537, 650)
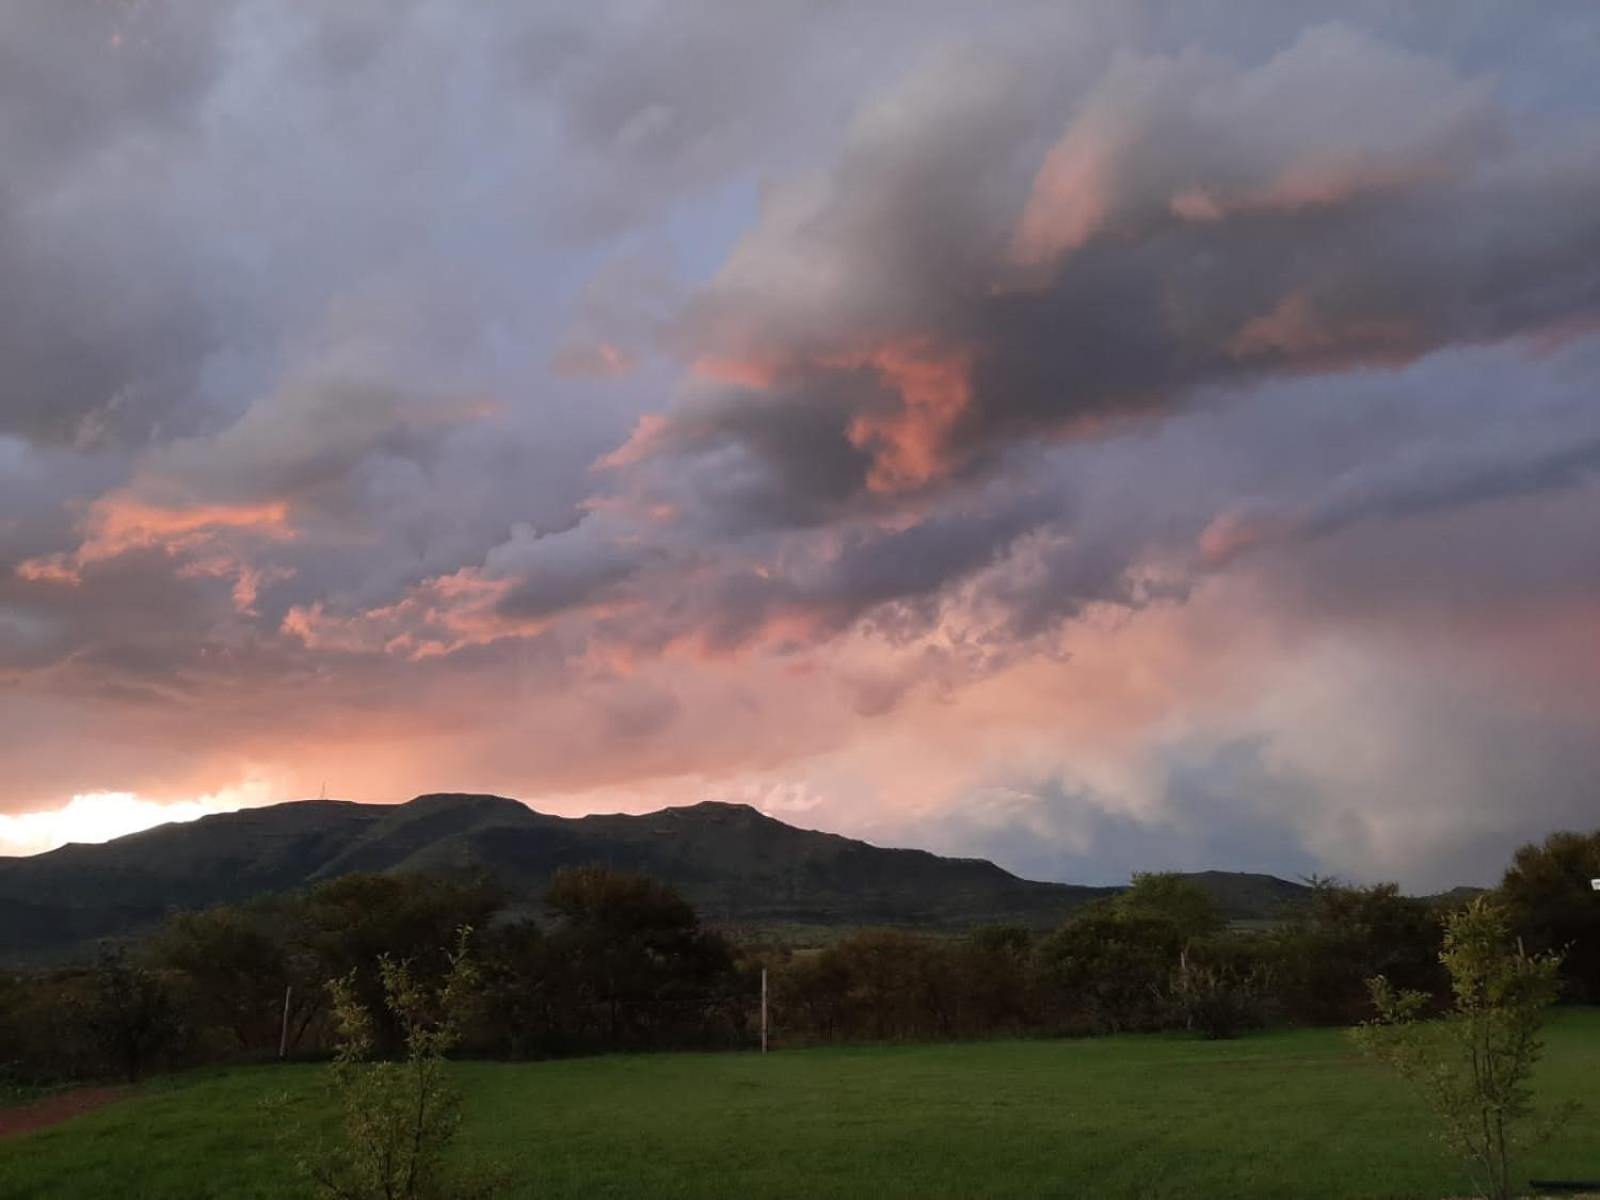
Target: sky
point(1094, 436)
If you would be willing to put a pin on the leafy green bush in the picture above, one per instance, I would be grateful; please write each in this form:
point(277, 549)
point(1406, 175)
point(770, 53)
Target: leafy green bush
point(1474, 1064)
point(399, 1117)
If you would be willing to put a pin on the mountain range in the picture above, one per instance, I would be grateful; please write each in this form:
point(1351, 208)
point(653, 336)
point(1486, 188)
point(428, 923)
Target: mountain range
point(735, 864)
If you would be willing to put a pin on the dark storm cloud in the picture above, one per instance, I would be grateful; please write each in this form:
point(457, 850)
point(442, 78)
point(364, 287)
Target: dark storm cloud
point(101, 336)
point(560, 571)
point(75, 76)
point(922, 559)
point(897, 575)
point(1209, 804)
point(1244, 802)
point(1196, 224)
point(103, 317)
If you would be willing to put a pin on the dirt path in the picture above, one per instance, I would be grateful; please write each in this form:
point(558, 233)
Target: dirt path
point(53, 1109)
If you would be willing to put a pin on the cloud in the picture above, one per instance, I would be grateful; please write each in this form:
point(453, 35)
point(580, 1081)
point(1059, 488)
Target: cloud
point(1220, 803)
point(1335, 118)
point(1198, 224)
point(104, 322)
point(1094, 433)
point(1501, 428)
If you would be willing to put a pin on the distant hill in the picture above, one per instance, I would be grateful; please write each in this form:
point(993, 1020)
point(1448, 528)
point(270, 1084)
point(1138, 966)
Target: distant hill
point(734, 863)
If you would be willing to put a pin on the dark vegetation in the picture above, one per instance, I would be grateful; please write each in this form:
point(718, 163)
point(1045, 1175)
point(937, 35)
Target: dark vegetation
point(618, 961)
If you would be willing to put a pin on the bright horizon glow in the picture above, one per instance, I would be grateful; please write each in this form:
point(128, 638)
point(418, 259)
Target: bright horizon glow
point(102, 816)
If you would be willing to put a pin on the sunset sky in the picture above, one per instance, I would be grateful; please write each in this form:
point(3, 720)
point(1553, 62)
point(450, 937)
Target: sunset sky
point(1095, 436)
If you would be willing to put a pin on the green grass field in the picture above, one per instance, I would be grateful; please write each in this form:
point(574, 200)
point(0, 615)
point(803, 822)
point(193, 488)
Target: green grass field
point(1290, 1115)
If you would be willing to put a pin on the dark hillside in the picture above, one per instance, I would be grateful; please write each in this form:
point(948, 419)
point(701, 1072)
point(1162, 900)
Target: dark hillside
point(734, 863)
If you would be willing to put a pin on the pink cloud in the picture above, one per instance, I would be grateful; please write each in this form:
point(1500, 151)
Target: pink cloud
point(909, 446)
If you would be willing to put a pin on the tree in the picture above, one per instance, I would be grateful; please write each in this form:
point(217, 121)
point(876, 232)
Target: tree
point(344, 928)
point(630, 963)
point(1107, 969)
point(1343, 936)
point(1169, 896)
point(130, 1013)
point(890, 984)
point(1553, 905)
point(812, 995)
point(519, 1004)
point(894, 986)
point(398, 1117)
point(992, 970)
point(1474, 1065)
point(235, 970)
point(618, 903)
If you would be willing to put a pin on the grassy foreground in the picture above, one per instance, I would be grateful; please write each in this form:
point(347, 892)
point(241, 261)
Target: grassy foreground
point(1290, 1115)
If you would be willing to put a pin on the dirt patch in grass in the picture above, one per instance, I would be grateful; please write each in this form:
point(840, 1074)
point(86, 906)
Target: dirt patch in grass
point(53, 1109)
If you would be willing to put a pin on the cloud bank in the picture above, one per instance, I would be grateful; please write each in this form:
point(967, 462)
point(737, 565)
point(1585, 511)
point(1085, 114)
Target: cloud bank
point(1100, 436)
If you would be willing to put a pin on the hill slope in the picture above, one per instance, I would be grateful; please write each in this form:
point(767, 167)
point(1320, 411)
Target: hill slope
point(734, 863)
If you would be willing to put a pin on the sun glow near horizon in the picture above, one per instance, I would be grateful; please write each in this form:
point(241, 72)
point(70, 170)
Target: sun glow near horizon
point(101, 816)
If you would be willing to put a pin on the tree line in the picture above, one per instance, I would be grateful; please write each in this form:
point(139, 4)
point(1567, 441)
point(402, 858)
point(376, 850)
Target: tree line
point(615, 961)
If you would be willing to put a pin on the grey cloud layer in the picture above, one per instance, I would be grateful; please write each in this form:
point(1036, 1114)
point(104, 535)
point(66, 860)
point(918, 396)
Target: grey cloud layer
point(1197, 224)
point(324, 331)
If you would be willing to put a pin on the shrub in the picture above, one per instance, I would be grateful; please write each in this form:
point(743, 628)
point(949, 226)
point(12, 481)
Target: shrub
point(399, 1117)
point(1221, 994)
point(1473, 1065)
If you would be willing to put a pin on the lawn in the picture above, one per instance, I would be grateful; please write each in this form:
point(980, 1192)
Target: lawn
point(1291, 1115)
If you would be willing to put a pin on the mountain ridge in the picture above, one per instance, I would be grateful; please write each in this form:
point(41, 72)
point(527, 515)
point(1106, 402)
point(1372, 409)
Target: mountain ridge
point(735, 863)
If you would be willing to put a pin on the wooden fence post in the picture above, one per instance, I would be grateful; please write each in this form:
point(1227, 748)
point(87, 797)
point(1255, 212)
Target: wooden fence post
point(283, 1037)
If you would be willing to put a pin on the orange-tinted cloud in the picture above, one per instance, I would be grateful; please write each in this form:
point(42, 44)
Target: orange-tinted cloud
point(1333, 118)
point(1234, 533)
point(1312, 182)
point(434, 618)
point(121, 522)
point(1295, 329)
point(641, 443)
point(50, 568)
point(753, 371)
point(910, 445)
point(1069, 201)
